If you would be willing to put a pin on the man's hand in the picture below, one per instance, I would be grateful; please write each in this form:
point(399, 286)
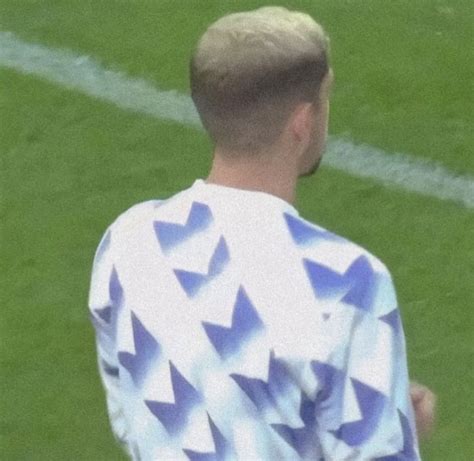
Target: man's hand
point(424, 403)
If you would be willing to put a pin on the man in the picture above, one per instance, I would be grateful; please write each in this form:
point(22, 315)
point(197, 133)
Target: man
point(228, 326)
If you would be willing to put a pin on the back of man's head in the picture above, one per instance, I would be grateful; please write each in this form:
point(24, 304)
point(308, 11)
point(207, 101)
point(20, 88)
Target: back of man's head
point(250, 69)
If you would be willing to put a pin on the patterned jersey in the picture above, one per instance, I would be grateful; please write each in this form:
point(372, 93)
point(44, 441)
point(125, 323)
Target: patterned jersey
point(228, 327)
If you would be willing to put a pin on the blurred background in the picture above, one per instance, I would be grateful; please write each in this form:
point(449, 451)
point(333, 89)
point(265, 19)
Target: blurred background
point(95, 117)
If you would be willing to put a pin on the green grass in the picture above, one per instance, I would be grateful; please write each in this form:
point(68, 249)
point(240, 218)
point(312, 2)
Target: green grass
point(70, 165)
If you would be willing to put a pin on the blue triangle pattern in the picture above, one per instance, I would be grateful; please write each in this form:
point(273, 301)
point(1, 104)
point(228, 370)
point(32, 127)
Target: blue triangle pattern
point(147, 350)
point(325, 282)
point(193, 281)
point(363, 281)
point(171, 234)
point(109, 369)
point(357, 286)
point(219, 259)
point(307, 411)
point(109, 313)
point(222, 446)
point(371, 404)
point(331, 382)
point(245, 321)
point(263, 393)
point(105, 322)
point(303, 232)
point(300, 438)
point(174, 416)
point(105, 313)
point(115, 288)
point(393, 319)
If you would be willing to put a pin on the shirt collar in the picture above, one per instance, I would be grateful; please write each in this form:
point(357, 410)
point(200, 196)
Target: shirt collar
point(234, 192)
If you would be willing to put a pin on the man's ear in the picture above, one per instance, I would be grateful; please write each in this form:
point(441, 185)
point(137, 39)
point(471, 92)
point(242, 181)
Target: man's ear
point(302, 122)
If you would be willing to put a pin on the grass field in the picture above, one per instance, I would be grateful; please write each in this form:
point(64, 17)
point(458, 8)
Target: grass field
point(71, 163)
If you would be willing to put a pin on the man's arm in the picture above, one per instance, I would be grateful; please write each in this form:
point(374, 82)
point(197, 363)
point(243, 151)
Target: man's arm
point(105, 298)
point(363, 406)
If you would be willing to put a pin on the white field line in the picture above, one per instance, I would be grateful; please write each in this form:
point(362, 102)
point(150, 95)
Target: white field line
point(86, 75)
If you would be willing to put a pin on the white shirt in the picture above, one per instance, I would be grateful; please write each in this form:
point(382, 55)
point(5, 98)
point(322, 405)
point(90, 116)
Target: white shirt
point(230, 328)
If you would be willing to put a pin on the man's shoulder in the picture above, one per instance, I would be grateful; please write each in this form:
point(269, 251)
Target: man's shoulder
point(133, 216)
point(141, 212)
point(330, 247)
point(326, 246)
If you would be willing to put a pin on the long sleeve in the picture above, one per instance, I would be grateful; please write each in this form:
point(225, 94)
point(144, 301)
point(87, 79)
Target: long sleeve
point(363, 407)
point(105, 299)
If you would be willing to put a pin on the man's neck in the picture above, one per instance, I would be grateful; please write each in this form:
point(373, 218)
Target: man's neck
point(275, 184)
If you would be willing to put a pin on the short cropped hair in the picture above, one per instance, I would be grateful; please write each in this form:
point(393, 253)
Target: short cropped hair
point(250, 69)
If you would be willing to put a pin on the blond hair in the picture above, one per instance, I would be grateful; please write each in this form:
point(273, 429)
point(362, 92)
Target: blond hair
point(250, 69)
